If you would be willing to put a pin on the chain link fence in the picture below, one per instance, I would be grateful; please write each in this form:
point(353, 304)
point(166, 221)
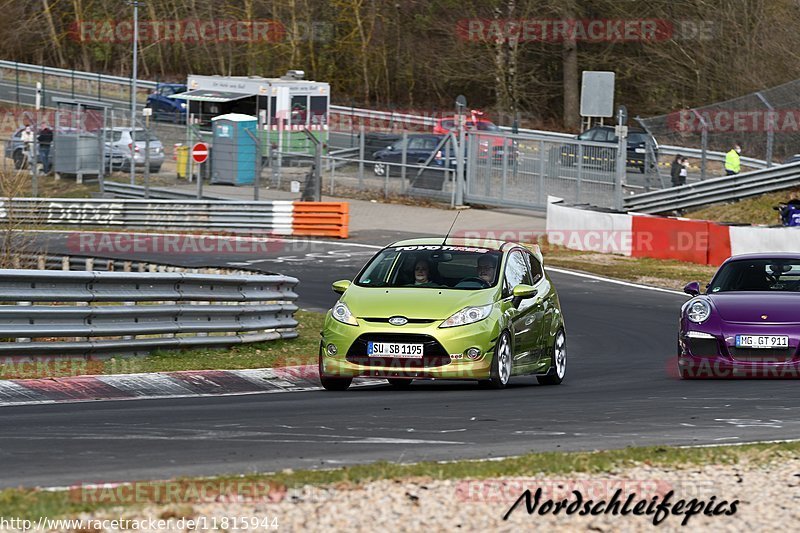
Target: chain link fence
point(765, 123)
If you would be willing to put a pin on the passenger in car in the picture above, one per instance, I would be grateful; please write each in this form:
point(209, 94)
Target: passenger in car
point(422, 273)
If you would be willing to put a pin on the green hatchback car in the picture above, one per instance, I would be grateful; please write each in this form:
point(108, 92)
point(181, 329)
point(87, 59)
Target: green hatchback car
point(459, 309)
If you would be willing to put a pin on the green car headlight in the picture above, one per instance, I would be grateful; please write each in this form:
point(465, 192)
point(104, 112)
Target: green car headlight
point(468, 315)
point(341, 313)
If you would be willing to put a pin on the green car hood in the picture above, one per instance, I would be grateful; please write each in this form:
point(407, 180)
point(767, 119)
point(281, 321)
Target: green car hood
point(431, 303)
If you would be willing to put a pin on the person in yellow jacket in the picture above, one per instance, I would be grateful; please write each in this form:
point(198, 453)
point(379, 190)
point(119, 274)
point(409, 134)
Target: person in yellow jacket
point(733, 161)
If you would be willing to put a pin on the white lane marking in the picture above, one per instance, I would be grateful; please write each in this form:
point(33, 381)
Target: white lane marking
point(752, 422)
point(614, 281)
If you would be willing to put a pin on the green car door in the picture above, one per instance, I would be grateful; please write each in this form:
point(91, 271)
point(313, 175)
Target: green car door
point(525, 329)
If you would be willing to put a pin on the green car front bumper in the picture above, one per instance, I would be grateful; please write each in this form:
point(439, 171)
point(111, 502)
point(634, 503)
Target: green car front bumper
point(445, 350)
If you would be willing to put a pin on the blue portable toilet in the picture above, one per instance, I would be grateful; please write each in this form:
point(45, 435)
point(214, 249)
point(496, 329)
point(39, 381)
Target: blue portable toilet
point(234, 151)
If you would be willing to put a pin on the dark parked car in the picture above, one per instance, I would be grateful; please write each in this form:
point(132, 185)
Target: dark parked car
point(167, 109)
point(637, 144)
point(419, 149)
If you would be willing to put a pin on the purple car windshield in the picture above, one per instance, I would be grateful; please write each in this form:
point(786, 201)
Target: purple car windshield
point(770, 275)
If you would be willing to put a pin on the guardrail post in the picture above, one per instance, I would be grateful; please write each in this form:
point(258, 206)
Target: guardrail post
point(16, 74)
point(24, 339)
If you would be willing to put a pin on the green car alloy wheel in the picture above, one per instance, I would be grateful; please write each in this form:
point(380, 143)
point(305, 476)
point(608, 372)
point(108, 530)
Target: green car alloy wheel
point(461, 309)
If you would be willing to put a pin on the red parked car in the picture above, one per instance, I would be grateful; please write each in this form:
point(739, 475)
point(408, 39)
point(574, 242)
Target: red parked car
point(476, 123)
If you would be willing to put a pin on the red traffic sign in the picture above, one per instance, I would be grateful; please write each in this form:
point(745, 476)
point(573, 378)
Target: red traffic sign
point(200, 152)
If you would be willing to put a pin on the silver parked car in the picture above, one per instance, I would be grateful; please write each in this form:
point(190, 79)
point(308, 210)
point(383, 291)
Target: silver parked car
point(120, 143)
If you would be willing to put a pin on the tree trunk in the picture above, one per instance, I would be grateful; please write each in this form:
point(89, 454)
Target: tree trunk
point(571, 85)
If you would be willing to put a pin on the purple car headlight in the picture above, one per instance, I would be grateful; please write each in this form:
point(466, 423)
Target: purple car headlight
point(698, 310)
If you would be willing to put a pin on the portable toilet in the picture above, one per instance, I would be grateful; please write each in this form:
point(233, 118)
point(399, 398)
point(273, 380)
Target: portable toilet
point(235, 157)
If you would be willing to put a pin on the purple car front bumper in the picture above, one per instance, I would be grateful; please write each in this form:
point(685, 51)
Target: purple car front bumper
point(718, 357)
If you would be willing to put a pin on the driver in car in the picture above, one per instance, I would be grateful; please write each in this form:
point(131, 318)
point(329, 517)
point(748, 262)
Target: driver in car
point(486, 268)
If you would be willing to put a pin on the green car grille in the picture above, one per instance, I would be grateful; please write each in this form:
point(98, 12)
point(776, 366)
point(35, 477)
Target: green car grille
point(433, 353)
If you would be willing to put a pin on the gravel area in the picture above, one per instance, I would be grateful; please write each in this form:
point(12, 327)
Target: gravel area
point(768, 495)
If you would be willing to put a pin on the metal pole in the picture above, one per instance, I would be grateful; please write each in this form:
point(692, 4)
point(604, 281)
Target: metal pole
point(622, 156)
point(703, 144)
point(540, 192)
point(361, 157)
point(580, 172)
point(133, 88)
point(404, 159)
point(770, 127)
point(200, 167)
point(16, 72)
point(147, 157)
point(460, 162)
point(505, 168)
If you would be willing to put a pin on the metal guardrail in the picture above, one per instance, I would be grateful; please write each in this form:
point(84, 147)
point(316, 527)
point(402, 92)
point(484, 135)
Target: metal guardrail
point(712, 156)
point(76, 74)
point(726, 188)
point(134, 313)
point(231, 215)
point(126, 190)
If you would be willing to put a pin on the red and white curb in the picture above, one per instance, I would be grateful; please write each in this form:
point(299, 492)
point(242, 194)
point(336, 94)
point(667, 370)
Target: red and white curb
point(184, 384)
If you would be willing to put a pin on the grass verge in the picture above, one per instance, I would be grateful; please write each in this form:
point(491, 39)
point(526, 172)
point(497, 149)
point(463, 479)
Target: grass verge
point(34, 503)
point(756, 210)
point(668, 274)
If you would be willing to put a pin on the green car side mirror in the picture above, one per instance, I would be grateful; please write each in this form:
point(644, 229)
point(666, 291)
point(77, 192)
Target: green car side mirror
point(522, 292)
point(340, 286)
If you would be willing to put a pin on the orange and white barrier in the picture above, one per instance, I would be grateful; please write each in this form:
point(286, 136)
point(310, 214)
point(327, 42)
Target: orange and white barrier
point(321, 219)
point(636, 235)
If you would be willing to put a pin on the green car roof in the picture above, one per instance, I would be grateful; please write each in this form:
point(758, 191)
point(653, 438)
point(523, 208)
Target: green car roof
point(489, 244)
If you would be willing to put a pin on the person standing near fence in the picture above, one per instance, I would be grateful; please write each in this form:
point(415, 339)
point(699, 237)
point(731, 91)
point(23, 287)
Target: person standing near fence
point(45, 139)
point(27, 140)
point(675, 171)
point(732, 160)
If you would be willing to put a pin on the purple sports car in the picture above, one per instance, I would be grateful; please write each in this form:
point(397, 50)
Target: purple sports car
point(748, 321)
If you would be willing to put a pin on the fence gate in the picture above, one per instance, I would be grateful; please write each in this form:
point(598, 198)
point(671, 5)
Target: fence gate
point(521, 170)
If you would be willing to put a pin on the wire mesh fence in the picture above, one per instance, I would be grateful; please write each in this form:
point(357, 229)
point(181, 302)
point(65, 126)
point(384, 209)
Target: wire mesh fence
point(766, 124)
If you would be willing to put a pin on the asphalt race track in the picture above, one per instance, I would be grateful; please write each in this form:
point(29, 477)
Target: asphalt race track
point(621, 390)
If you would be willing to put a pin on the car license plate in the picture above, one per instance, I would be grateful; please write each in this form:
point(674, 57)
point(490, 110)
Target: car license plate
point(394, 349)
point(154, 150)
point(639, 150)
point(762, 341)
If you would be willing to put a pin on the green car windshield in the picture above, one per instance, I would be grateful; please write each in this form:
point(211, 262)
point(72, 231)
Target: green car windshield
point(432, 266)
